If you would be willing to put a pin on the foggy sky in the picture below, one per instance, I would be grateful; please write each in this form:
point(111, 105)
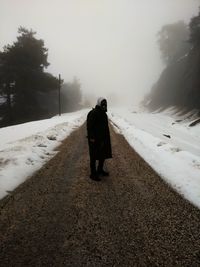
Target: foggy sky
point(110, 45)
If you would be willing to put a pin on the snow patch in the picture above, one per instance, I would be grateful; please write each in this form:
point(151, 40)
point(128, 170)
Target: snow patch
point(175, 159)
point(26, 147)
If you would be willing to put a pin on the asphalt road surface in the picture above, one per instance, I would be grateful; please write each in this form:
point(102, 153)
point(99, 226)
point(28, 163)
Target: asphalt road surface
point(59, 217)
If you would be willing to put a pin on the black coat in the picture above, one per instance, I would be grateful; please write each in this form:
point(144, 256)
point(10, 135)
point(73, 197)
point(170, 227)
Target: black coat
point(97, 129)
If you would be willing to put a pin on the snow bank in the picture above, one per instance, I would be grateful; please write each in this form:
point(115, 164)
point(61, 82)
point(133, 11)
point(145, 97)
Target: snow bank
point(175, 159)
point(26, 147)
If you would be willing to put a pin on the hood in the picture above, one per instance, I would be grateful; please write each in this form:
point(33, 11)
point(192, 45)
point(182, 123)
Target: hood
point(99, 100)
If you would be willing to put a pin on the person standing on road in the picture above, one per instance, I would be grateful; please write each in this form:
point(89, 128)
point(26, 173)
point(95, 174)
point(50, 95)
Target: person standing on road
point(98, 139)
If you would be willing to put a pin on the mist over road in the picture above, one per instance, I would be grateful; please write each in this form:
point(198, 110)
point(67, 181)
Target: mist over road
point(60, 217)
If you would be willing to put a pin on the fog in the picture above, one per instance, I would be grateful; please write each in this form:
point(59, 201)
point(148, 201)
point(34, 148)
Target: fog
point(110, 45)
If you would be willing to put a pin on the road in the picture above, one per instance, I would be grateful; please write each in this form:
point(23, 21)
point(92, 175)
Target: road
point(59, 217)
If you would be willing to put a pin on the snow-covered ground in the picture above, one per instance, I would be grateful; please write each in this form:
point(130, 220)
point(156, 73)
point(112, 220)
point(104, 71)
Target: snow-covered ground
point(26, 147)
point(175, 157)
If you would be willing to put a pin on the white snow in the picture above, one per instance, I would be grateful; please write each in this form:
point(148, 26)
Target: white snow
point(26, 147)
point(175, 159)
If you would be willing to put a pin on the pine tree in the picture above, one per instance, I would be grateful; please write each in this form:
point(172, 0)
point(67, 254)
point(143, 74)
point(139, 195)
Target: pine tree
point(23, 76)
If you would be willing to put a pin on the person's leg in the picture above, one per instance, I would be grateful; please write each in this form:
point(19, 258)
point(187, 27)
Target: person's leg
point(94, 174)
point(100, 166)
point(92, 158)
point(100, 169)
point(92, 166)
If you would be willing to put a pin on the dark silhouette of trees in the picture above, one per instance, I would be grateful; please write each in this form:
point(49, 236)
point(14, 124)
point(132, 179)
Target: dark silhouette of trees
point(22, 78)
point(195, 30)
point(179, 83)
point(27, 92)
point(173, 41)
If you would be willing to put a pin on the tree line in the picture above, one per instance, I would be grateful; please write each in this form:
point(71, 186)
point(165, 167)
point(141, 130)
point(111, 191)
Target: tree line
point(27, 91)
point(179, 83)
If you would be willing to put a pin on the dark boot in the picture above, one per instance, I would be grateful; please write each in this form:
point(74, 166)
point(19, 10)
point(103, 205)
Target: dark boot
point(95, 177)
point(103, 173)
